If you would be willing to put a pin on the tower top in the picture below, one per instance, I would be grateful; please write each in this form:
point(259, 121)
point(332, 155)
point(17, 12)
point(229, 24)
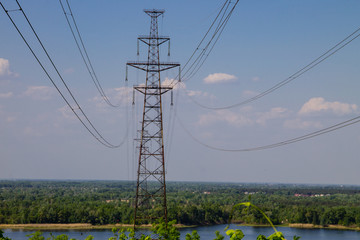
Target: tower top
point(154, 12)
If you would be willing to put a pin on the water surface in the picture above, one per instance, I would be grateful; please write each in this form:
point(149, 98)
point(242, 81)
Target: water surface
point(208, 233)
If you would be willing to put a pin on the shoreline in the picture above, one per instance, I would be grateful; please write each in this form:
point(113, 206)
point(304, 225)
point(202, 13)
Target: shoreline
point(74, 226)
point(88, 226)
point(307, 226)
point(330, 226)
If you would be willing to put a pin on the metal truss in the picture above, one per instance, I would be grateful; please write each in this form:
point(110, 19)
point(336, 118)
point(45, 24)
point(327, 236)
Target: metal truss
point(150, 201)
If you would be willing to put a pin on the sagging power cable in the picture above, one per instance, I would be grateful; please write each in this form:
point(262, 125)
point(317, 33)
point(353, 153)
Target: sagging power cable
point(274, 145)
point(294, 76)
point(220, 26)
point(84, 53)
point(90, 127)
point(200, 54)
point(205, 53)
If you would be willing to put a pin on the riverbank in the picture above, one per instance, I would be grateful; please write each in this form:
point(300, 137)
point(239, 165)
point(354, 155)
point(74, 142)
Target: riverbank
point(61, 226)
point(303, 226)
point(307, 226)
point(73, 226)
point(311, 226)
point(88, 226)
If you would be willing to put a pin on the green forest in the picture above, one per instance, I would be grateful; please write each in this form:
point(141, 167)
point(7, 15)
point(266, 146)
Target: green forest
point(189, 203)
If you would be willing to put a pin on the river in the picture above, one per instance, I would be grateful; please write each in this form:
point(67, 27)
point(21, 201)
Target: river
point(208, 233)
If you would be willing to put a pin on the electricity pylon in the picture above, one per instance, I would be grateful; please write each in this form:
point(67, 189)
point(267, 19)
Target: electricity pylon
point(150, 201)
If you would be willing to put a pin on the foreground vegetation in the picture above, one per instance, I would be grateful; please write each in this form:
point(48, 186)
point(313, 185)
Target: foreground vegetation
point(110, 202)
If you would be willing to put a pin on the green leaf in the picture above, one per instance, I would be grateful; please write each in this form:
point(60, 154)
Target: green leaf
point(36, 236)
point(218, 236)
point(276, 236)
point(261, 237)
point(235, 234)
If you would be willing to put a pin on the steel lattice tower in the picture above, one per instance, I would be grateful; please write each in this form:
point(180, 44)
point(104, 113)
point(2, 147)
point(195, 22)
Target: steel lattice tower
point(150, 201)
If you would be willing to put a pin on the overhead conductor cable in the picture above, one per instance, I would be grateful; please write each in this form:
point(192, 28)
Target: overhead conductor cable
point(95, 133)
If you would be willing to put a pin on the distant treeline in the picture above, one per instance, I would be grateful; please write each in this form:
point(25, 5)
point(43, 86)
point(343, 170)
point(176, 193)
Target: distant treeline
point(109, 202)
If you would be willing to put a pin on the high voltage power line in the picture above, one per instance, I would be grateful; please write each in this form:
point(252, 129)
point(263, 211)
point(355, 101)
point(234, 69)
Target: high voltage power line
point(294, 76)
point(220, 21)
point(347, 40)
point(199, 61)
point(192, 67)
point(199, 57)
point(89, 125)
point(278, 144)
point(308, 67)
point(84, 54)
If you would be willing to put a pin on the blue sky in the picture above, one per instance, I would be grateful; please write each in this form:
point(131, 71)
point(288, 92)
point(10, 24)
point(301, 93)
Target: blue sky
point(264, 43)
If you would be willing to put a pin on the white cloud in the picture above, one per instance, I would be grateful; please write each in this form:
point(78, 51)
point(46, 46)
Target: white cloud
point(123, 94)
point(274, 113)
point(226, 116)
point(67, 113)
point(219, 78)
point(173, 83)
point(192, 93)
point(302, 124)
point(4, 67)
point(317, 105)
point(255, 79)
point(196, 93)
point(39, 92)
point(6, 95)
point(117, 96)
point(245, 117)
point(181, 85)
